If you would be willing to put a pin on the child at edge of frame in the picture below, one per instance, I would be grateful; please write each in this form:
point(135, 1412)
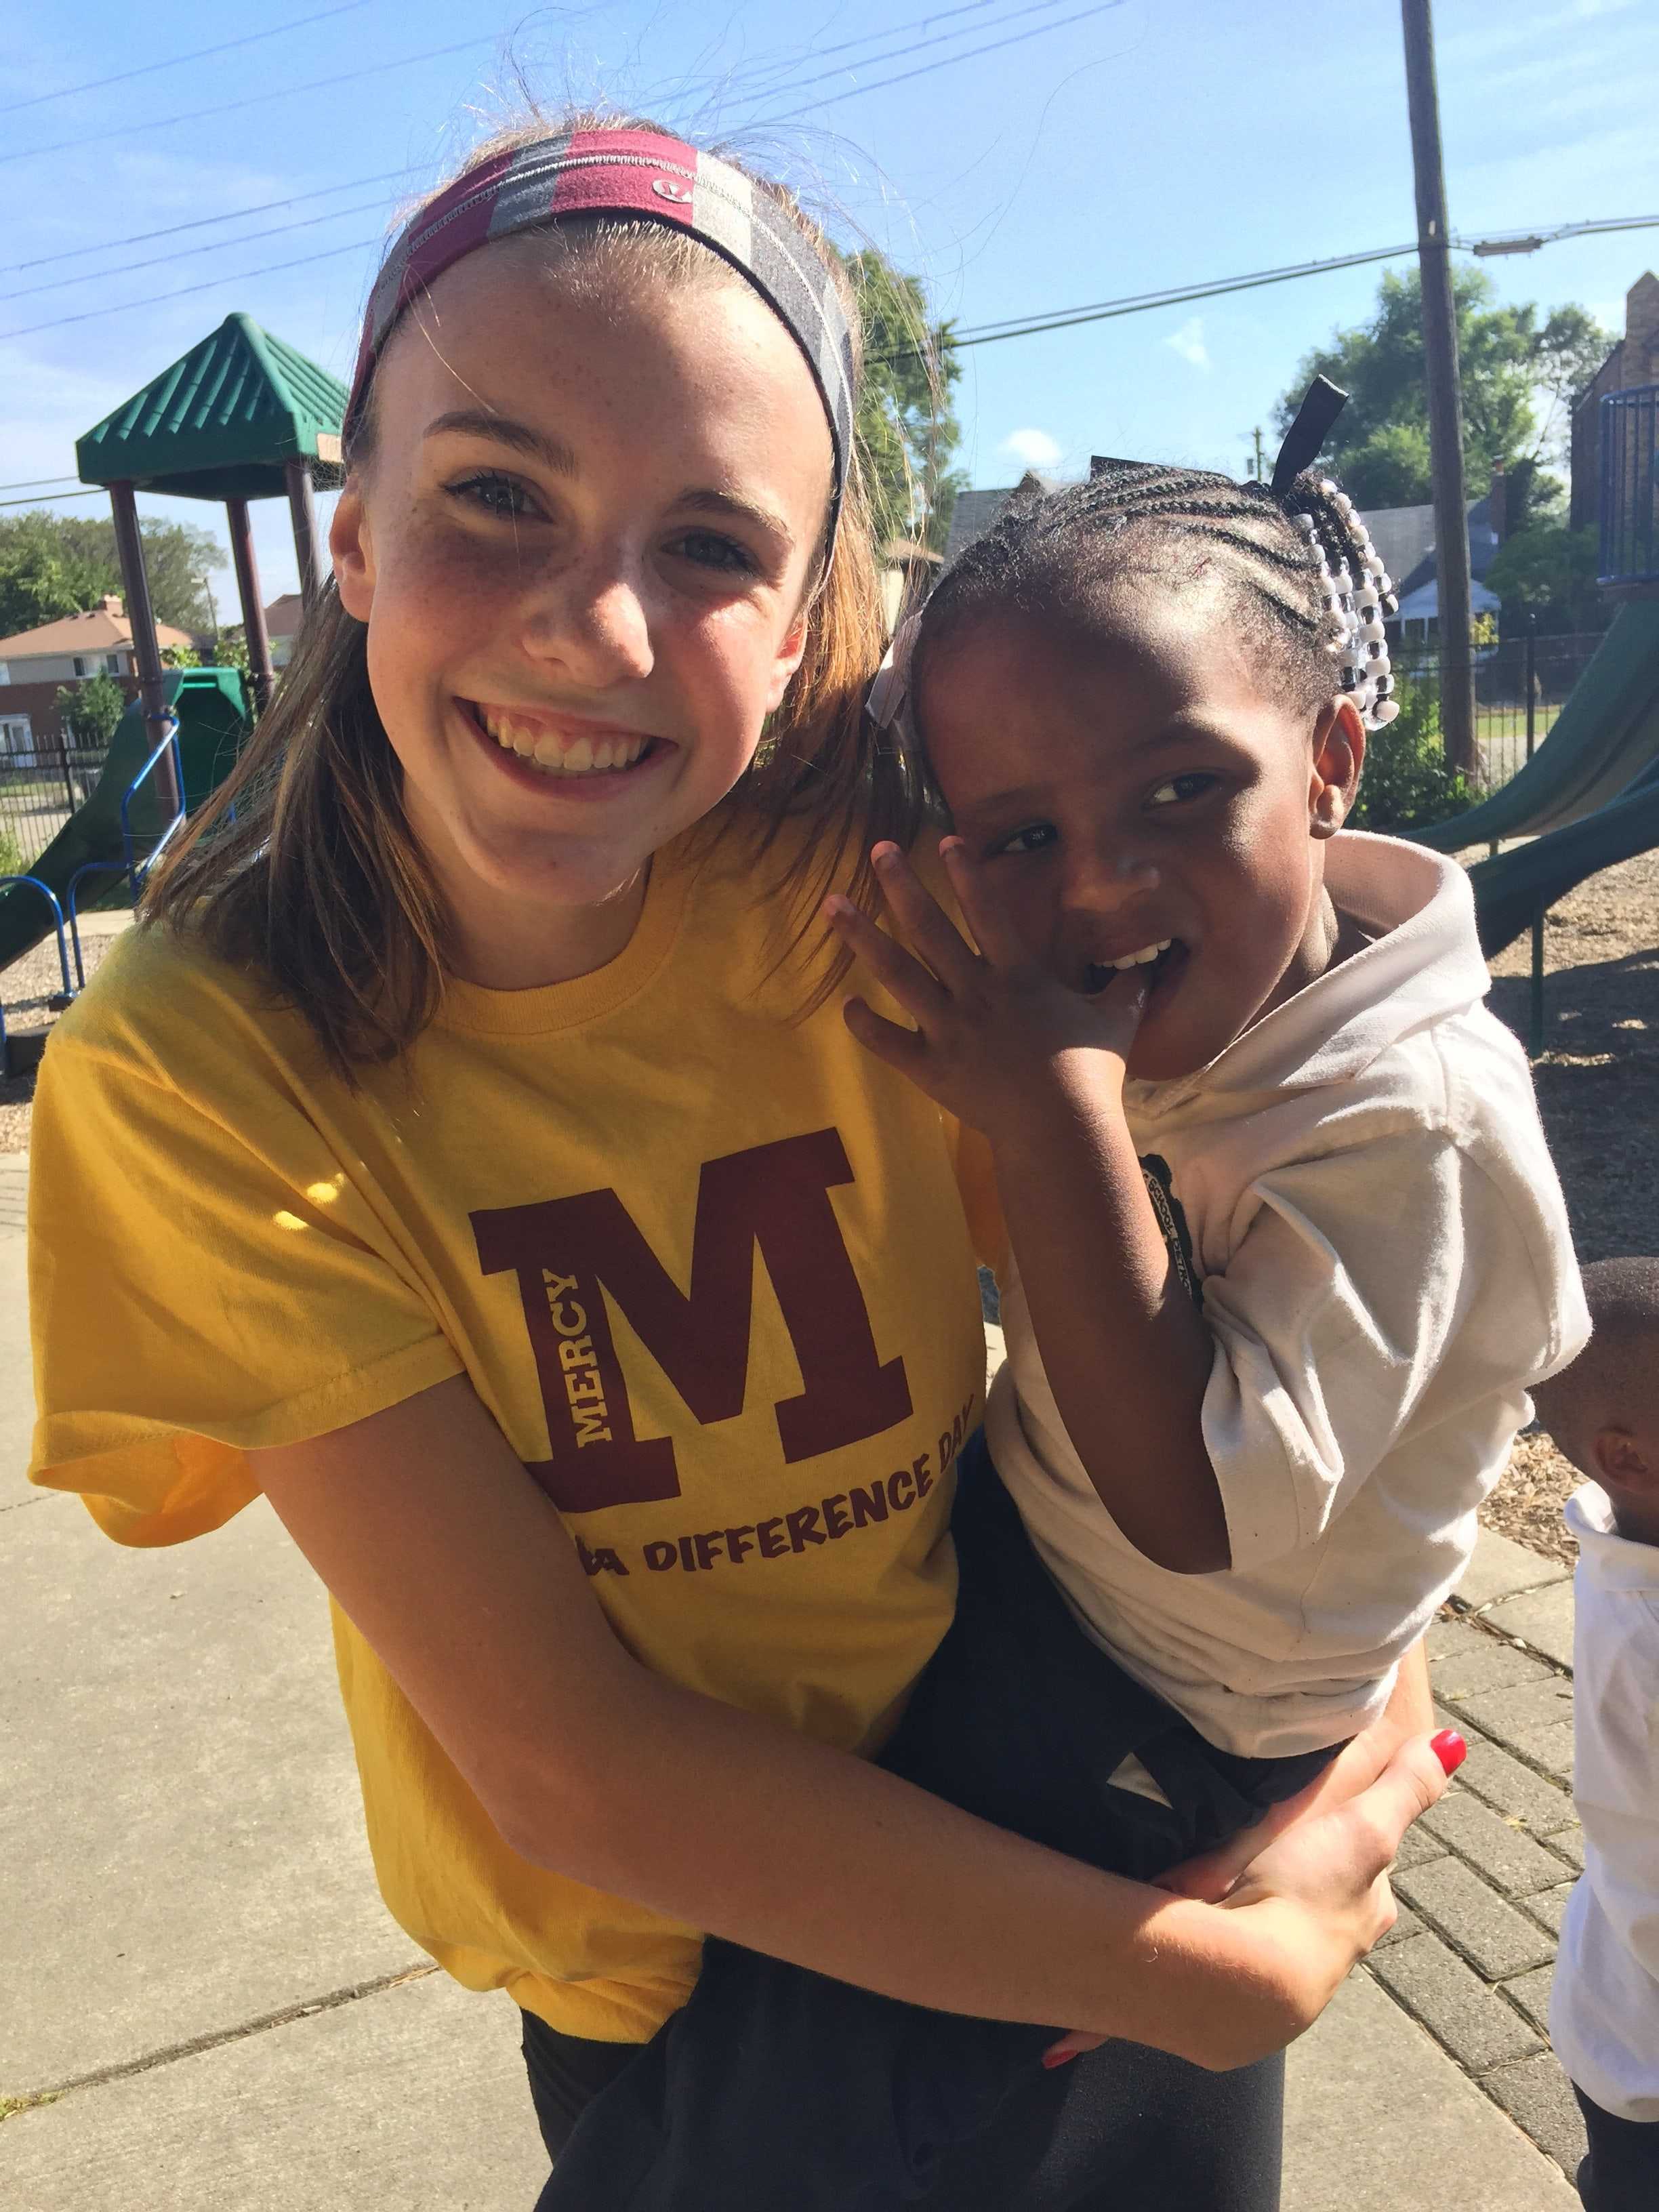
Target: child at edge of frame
point(1603, 1413)
point(1287, 1254)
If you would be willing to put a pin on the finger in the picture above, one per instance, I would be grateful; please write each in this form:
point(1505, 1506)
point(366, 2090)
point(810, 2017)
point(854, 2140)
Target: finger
point(1211, 1874)
point(981, 906)
point(916, 989)
point(924, 921)
point(1069, 2045)
point(904, 1049)
point(1121, 1007)
point(1413, 1780)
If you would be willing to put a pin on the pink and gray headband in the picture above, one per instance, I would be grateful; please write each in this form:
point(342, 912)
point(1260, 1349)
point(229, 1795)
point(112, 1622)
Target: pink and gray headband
point(630, 176)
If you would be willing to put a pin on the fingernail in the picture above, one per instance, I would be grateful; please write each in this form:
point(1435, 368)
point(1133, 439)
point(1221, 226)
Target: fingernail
point(1449, 1748)
point(835, 906)
point(1057, 2057)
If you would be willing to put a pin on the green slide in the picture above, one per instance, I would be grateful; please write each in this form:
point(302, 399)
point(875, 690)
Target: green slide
point(1509, 888)
point(211, 704)
point(1603, 738)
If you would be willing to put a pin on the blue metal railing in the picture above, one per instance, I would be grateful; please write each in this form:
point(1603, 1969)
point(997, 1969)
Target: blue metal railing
point(50, 897)
point(130, 865)
point(1630, 486)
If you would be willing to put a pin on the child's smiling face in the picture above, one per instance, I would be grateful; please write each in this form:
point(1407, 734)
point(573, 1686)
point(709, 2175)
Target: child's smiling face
point(581, 543)
point(1126, 782)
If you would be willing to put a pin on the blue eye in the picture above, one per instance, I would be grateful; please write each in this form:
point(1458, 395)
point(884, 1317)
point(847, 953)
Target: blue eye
point(1035, 837)
point(1181, 788)
point(708, 548)
point(501, 497)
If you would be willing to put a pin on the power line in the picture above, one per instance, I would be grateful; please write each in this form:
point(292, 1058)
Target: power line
point(995, 46)
point(184, 291)
point(253, 100)
point(1038, 30)
point(185, 253)
point(45, 498)
point(171, 231)
point(202, 223)
point(201, 54)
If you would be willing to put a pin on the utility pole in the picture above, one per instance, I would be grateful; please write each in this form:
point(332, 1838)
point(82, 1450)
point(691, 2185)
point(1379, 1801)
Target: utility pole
point(1259, 469)
point(1451, 532)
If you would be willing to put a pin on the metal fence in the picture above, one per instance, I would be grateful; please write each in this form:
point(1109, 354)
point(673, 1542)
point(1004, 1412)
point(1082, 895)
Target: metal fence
point(1630, 486)
point(41, 785)
point(1501, 691)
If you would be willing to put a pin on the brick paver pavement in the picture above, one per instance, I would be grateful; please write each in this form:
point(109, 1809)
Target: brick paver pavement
point(1483, 1879)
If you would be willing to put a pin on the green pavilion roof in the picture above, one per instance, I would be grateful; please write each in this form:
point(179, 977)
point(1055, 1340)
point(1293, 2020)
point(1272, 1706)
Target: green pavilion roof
point(220, 423)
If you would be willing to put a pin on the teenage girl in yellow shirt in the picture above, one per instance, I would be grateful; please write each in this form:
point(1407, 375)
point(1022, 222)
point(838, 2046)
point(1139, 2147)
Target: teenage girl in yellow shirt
point(411, 1164)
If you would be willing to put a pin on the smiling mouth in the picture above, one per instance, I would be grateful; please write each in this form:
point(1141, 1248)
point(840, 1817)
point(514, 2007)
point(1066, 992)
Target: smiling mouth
point(1158, 960)
point(557, 751)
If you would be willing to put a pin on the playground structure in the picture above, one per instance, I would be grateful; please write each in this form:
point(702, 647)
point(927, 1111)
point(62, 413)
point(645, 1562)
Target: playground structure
point(241, 416)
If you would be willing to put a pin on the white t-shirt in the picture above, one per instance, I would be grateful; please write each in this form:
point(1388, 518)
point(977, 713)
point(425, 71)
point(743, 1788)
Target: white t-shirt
point(1362, 1187)
point(1604, 2004)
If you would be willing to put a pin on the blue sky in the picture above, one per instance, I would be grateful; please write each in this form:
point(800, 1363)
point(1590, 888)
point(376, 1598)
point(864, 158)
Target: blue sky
point(1115, 149)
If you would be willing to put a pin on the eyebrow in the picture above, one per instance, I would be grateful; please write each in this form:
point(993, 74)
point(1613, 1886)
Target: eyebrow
point(502, 430)
point(1172, 734)
point(520, 438)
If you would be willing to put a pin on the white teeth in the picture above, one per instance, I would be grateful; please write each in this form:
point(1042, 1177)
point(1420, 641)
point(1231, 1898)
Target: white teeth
point(1147, 952)
point(549, 752)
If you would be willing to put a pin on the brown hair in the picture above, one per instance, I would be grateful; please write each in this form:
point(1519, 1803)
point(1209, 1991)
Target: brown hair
point(303, 865)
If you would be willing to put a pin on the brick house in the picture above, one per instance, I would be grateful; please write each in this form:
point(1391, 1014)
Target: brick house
point(34, 663)
point(1634, 359)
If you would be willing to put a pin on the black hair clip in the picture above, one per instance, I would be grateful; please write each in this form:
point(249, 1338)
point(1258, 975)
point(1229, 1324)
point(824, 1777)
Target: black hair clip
point(1322, 404)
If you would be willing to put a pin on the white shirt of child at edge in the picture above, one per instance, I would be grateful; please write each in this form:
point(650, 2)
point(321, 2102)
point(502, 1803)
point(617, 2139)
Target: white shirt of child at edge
point(1387, 1267)
point(1604, 2001)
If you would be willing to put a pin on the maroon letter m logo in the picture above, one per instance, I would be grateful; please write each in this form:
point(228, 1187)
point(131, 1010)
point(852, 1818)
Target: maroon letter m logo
point(777, 1197)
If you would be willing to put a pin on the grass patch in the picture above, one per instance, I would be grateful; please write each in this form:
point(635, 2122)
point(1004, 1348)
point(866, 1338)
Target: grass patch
point(11, 2105)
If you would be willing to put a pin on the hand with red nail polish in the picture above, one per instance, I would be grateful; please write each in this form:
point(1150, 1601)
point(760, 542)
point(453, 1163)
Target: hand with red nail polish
point(1449, 1748)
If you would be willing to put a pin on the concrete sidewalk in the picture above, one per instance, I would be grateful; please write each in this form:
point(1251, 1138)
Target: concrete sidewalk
point(207, 2007)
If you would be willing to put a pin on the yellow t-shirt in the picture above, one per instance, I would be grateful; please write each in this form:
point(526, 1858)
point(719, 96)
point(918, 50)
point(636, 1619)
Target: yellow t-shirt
point(705, 1265)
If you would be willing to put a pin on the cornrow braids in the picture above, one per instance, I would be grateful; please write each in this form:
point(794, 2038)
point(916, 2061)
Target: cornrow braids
point(1297, 561)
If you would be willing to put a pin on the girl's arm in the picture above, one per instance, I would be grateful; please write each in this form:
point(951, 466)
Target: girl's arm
point(460, 1575)
point(1038, 1069)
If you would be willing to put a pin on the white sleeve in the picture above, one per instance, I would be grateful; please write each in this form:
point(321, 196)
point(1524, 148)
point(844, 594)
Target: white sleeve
point(1616, 1772)
point(1367, 1284)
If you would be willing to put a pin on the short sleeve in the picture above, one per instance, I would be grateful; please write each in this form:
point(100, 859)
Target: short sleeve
point(1364, 1295)
point(201, 1285)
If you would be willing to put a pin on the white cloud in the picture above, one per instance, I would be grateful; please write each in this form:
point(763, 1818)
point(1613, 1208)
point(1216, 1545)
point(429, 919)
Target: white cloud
point(1189, 342)
point(1035, 447)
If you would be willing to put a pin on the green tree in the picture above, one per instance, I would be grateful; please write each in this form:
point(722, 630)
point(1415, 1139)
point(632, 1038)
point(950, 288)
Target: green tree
point(906, 425)
point(1549, 570)
point(39, 583)
point(1518, 373)
point(90, 711)
point(81, 552)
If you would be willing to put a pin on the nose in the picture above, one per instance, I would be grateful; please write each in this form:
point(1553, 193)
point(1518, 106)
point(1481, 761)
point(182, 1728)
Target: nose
point(1099, 882)
point(590, 621)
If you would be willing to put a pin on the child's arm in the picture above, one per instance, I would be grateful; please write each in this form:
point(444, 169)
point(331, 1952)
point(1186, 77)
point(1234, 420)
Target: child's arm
point(1039, 1070)
point(439, 1548)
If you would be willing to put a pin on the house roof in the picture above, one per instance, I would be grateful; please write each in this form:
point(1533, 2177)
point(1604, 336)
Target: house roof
point(283, 615)
point(975, 510)
point(220, 423)
point(99, 630)
point(1409, 531)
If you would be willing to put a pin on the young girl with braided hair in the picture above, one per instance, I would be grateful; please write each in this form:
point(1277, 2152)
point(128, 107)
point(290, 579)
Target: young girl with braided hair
point(411, 1162)
point(1285, 1252)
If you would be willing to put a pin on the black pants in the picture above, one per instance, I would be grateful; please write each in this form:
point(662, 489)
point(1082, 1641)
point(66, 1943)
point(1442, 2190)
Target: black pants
point(1621, 2173)
point(784, 2091)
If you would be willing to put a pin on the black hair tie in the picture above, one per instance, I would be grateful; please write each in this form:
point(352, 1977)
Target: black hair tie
point(1322, 404)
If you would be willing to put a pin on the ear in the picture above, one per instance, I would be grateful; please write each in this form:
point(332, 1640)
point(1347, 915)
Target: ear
point(1621, 1462)
point(1339, 755)
point(791, 649)
point(353, 550)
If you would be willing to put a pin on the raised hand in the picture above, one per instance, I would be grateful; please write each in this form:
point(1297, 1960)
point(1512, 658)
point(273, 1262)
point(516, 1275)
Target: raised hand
point(992, 1025)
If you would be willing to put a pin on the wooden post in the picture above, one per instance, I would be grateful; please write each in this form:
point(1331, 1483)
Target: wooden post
point(302, 509)
point(254, 612)
point(146, 650)
point(1451, 530)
